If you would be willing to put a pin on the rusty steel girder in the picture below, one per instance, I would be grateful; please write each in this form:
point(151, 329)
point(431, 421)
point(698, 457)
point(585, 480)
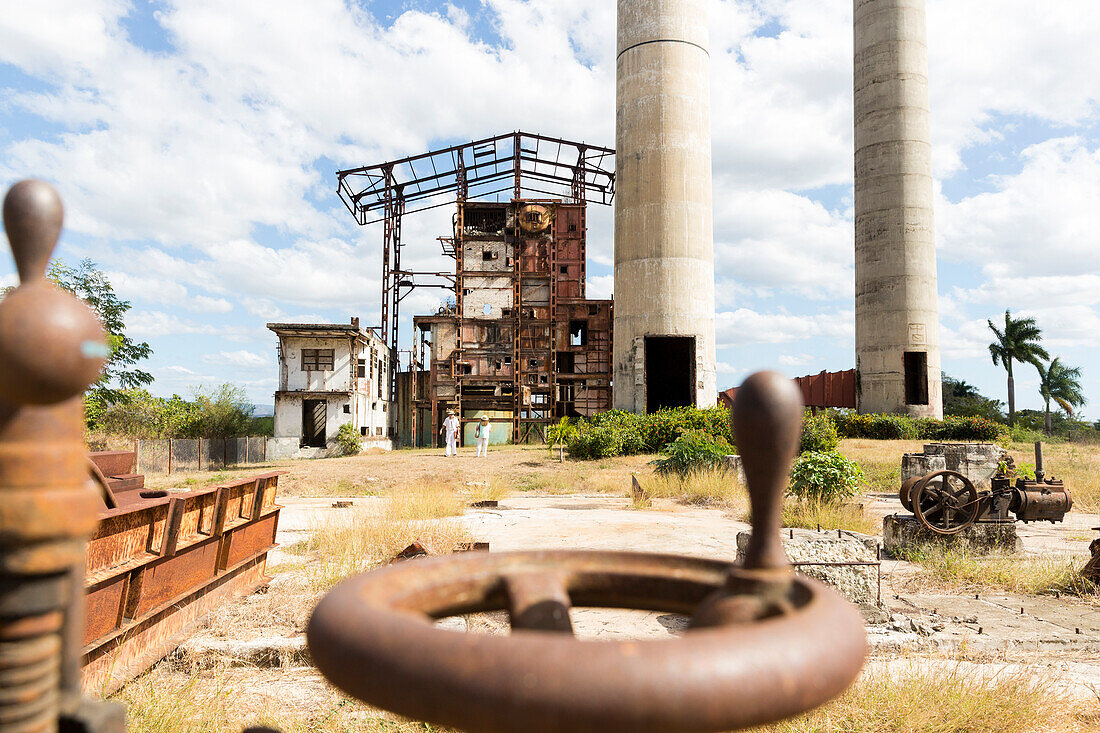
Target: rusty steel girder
point(763, 644)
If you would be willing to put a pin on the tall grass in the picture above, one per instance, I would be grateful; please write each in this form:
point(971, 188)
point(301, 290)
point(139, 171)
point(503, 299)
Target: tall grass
point(713, 487)
point(944, 699)
point(368, 537)
point(424, 500)
point(960, 570)
point(159, 703)
point(828, 515)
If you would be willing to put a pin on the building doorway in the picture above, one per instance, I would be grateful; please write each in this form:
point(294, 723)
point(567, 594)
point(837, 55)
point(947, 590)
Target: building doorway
point(669, 372)
point(314, 415)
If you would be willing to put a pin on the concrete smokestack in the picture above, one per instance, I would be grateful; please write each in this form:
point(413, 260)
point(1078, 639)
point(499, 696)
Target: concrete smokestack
point(664, 243)
point(897, 320)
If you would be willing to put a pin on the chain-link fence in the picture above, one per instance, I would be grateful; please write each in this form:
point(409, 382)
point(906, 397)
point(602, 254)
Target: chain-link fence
point(181, 455)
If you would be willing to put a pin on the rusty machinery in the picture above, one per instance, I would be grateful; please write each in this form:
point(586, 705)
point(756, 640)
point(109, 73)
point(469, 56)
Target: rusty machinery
point(946, 502)
point(755, 651)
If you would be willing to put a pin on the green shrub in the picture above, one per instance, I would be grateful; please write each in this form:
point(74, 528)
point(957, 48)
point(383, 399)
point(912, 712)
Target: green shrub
point(818, 433)
point(595, 441)
point(900, 427)
point(824, 476)
point(348, 440)
point(958, 428)
point(692, 451)
point(617, 432)
point(561, 432)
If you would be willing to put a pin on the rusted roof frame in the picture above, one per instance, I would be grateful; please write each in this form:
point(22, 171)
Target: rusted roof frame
point(561, 163)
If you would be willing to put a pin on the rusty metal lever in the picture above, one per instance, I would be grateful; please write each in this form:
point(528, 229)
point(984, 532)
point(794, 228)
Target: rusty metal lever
point(764, 644)
point(51, 349)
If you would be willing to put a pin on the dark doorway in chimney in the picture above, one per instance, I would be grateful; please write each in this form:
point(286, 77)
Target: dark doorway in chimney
point(669, 371)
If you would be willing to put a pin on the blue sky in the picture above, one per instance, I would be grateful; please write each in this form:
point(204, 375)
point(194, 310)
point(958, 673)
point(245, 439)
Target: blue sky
point(195, 144)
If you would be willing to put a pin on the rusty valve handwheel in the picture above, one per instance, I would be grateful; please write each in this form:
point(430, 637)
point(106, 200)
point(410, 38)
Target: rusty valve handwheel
point(763, 643)
point(945, 502)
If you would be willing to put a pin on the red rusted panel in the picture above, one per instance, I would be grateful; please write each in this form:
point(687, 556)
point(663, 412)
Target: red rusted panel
point(103, 607)
point(163, 580)
point(248, 540)
point(113, 462)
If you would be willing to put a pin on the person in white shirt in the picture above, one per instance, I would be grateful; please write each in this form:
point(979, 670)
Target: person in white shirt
point(450, 431)
point(481, 432)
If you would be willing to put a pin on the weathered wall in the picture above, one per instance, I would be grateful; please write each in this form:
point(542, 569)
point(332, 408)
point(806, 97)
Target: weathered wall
point(298, 379)
point(664, 249)
point(895, 251)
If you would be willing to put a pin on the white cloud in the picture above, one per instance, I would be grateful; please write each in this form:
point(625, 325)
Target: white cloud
point(795, 359)
point(200, 176)
point(744, 326)
point(240, 359)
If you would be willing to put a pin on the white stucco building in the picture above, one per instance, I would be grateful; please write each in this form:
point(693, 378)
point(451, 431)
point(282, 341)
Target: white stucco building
point(329, 374)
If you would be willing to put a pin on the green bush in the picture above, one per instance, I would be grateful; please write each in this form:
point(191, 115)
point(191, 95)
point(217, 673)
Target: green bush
point(348, 440)
point(818, 433)
point(824, 476)
point(617, 432)
point(693, 450)
point(900, 427)
point(595, 441)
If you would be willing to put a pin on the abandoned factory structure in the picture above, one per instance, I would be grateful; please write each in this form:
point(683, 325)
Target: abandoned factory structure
point(516, 339)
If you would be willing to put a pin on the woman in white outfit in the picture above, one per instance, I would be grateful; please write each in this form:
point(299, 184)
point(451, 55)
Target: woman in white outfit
point(450, 430)
point(481, 432)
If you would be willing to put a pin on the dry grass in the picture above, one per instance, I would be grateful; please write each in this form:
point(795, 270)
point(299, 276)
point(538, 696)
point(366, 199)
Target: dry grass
point(946, 699)
point(365, 539)
point(943, 698)
point(702, 488)
point(829, 515)
point(424, 500)
point(513, 468)
point(959, 570)
point(292, 701)
point(1077, 464)
point(880, 461)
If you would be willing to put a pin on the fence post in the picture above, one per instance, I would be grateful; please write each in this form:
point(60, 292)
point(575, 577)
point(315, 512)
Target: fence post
point(169, 456)
point(200, 453)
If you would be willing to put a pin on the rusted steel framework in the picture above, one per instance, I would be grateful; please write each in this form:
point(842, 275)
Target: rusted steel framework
point(523, 344)
point(518, 163)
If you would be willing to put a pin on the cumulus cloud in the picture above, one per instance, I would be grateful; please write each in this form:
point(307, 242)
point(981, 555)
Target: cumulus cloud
point(745, 326)
point(241, 359)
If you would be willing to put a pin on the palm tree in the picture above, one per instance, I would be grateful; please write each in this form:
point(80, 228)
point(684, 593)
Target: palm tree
point(1018, 342)
point(1062, 384)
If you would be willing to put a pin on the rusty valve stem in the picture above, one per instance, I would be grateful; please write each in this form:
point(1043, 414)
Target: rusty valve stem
point(51, 349)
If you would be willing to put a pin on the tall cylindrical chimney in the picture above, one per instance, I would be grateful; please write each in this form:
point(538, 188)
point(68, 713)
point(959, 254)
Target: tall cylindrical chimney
point(897, 321)
point(664, 243)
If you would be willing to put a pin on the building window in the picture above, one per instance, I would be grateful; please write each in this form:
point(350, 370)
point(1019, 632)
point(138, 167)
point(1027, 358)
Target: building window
point(378, 431)
point(578, 333)
point(363, 431)
point(347, 409)
point(316, 360)
point(361, 369)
